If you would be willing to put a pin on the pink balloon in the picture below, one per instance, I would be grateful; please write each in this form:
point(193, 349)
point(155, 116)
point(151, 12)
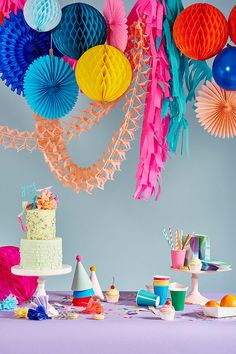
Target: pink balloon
point(22, 287)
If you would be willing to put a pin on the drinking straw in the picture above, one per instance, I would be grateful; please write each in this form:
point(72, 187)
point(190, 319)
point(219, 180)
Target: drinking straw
point(176, 240)
point(166, 237)
point(171, 238)
point(186, 242)
point(181, 238)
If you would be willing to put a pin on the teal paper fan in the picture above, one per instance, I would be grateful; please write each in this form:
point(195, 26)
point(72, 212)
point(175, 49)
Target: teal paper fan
point(50, 87)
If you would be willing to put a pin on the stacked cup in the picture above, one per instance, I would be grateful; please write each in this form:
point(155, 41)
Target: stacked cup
point(161, 287)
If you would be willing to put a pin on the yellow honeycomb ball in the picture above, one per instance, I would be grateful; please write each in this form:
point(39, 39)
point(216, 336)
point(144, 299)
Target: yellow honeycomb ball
point(103, 73)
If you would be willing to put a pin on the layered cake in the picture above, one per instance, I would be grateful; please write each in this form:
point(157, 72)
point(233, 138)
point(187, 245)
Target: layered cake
point(41, 249)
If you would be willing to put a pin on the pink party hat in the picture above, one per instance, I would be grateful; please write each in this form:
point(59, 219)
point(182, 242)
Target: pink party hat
point(81, 279)
point(96, 286)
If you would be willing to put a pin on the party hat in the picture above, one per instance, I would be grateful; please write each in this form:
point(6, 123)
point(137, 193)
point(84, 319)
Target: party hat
point(81, 279)
point(96, 286)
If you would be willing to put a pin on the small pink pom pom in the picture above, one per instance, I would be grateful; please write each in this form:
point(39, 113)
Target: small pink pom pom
point(79, 258)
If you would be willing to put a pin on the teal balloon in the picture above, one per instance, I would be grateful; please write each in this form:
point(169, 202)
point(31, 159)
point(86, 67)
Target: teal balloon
point(42, 15)
point(81, 27)
point(50, 87)
point(224, 69)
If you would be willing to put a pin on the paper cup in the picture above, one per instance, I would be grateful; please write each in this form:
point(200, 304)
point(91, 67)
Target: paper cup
point(177, 258)
point(161, 287)
point(178, 295)
point(145, 298)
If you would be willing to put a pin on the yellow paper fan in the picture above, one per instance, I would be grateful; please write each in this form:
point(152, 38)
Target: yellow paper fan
point(216, 110)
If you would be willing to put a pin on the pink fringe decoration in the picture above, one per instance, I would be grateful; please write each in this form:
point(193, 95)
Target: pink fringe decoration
point(154, 145)
point(22, 287)
point(7, 6)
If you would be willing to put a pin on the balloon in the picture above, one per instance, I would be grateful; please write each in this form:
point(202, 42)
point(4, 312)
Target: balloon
point(200, 31)
point(42, 15)
point(103, 73)
point(224, 69)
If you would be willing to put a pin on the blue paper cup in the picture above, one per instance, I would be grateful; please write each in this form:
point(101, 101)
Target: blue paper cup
point(145, 298)
point(162, 292)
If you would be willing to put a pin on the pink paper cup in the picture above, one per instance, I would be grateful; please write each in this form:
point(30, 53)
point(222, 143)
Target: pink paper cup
point(177, 258)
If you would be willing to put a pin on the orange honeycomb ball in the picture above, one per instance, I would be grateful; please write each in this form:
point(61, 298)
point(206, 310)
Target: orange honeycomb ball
point(232, 24)
point(200, 31)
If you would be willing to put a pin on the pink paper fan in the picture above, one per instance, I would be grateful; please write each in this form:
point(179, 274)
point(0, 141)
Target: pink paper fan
point(115, 16)
point(216, 110)
point(70, 61)
point(22, 287)
point(7, 6)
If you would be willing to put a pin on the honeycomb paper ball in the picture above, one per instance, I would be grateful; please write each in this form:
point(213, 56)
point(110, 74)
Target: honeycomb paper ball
point(200, 31)
point(232, 24)
point(81, 27)
point(42, 15)
point(103, 73)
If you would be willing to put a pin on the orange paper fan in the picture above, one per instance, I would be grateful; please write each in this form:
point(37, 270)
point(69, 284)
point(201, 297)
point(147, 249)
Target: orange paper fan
point(216, 110)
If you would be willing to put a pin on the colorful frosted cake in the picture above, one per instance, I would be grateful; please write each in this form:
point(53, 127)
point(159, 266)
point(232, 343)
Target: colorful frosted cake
point(41, 249)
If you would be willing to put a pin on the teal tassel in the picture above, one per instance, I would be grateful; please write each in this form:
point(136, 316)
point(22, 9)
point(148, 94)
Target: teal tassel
point(183, 69)
point(198, 71)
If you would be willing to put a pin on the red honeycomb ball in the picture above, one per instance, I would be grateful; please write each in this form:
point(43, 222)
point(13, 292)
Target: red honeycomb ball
point(200, 31)
point(232, 24)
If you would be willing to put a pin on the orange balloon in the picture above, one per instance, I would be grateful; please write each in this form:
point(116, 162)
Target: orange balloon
point(228, 301)
point(200, 31)
point(232, 24)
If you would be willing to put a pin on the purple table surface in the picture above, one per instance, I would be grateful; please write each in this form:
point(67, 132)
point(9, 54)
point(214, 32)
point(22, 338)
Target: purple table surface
point(119, 333)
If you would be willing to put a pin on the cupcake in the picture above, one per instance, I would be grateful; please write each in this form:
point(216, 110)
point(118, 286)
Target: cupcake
point(113, 294)
point(167, 312)
point(195, 265)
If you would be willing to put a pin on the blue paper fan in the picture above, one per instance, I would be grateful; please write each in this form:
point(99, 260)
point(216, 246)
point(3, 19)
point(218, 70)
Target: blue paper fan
point(20, 46)
point(81, 27)
point(50, 87)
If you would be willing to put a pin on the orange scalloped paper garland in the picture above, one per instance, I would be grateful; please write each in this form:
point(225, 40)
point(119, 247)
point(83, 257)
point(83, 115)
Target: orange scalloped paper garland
point(95, 176)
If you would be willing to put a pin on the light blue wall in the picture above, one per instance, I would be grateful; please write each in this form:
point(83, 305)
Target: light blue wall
point(121, 236)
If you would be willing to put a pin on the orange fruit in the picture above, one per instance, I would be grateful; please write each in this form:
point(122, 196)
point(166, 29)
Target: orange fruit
point(212, 303)
point(228, 301)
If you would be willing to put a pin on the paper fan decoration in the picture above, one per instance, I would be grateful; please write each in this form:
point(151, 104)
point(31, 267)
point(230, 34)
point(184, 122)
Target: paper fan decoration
point(115, 16)
point(216, 110)
point(50, 87)
point(8, 6)
point(42, 15)
point(20, 46)
point(21, 287)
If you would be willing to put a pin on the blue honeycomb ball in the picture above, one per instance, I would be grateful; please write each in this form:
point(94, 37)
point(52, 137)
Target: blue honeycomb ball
point(81, 27)
point(20, 46)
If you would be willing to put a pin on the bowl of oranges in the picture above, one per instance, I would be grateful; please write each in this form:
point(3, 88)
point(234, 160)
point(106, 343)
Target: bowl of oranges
point(226, 307)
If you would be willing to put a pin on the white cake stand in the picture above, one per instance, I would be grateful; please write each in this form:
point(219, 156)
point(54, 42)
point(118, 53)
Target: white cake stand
point(41, 291)
point(195, 297)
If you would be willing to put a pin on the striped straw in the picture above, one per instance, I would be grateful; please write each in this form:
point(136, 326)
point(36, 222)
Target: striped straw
point(166, 237)
point(176, 240)
point(171, 238)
